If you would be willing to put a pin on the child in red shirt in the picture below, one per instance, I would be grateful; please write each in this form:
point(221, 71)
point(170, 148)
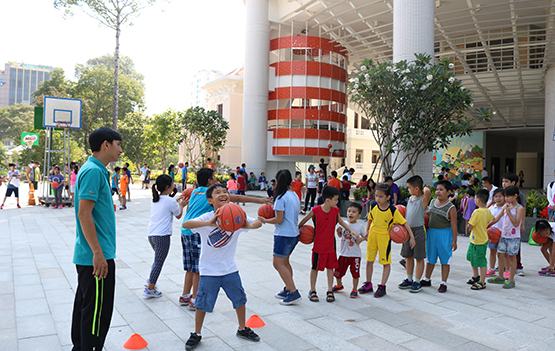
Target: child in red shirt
point(297, 185)
point(241, 183)
point(325, 218)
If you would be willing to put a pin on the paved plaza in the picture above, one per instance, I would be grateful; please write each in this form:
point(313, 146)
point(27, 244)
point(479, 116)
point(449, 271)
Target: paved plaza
point(38, 282)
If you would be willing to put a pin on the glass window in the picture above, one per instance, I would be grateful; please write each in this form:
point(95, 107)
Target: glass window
point(26, 78)
point(12, 86)
point(375, 156)
point(221, 109)
point(34, 86)
point(19, 88)
point(356, 120)
point(359, 156)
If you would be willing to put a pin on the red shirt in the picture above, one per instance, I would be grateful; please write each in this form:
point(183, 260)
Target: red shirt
point(241, 183)
point(362, 184)
point(297, 187)
point(346, 185)
point(334, 182)
point(324, 229)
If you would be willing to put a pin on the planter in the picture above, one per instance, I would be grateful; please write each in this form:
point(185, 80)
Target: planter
point(529, 222)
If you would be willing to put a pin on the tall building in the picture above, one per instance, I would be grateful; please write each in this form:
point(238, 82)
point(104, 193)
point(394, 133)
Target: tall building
point(19, 81)
point(502, 51)
point(197, 95)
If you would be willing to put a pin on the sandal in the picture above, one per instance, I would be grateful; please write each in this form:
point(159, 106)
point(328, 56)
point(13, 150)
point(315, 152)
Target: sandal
point(330, 297)
point(312, 296)
point(478, 286)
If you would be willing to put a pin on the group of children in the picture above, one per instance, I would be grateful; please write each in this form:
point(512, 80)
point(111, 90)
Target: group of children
point(209, 252)
point(120, 184)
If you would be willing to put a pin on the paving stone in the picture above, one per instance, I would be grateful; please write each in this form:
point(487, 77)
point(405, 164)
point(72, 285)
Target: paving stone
point(40, 343)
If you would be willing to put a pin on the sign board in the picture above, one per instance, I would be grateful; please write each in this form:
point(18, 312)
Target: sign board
point(29, 139)
point(62, 112)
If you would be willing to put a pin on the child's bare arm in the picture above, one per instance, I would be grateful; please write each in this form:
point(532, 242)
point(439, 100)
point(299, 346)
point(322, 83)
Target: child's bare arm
point(253, 225)
point(192, 224)
point(278, 219)
point(453, 220)
point(306, 218)
point(412, 241)
point(343, 223)
point(251, 199)
point(427, 197)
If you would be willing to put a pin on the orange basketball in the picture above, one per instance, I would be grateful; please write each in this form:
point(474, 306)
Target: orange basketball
point(306, 234)
point(494, 234)
point(539, 239)
point(266, 211)
point(402, 209)
point(55, 185)
point(398, 234)
point(180, 165)
point(231, 217)
point(186, 194)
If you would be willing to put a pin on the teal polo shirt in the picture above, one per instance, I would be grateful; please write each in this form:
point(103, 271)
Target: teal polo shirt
point(93, 183)
point(198, 205)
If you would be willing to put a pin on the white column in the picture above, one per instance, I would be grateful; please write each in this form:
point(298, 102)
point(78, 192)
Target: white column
point(413, 33)
point(549, 129)
point(255, 83)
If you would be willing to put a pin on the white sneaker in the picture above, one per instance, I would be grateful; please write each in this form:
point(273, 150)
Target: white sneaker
point(520, 272)
point(151, 293)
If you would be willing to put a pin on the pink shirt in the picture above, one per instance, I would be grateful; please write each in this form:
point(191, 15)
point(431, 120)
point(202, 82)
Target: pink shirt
point(72, 178)
point(232, 185)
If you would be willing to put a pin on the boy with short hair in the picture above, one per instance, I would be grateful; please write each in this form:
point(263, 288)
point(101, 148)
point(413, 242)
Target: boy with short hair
point(415, 212)
point(495, 208)
point(394, 189)
point(478, 245)
point(57, 182)
point(349, 252)
point(217, 266)
point(297, 185)
point(13, 185)
point(488, 185)
point(381, 217)
point(325, 218)
point(115, 181)
point(509, 244)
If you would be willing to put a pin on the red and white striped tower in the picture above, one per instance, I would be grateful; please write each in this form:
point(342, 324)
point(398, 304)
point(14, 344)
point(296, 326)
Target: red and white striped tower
point(307, 100)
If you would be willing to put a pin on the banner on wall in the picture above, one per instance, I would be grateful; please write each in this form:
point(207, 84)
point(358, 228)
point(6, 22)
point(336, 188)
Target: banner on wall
point(463, 155)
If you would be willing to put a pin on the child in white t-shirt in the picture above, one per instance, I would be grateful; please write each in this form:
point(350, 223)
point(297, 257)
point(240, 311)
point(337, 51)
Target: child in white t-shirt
point(349, 252)
point(495, 209)
point(164, 208)
point(217, 266)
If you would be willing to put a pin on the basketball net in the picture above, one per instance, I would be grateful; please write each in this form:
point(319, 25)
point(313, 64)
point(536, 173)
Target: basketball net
point(62, 125)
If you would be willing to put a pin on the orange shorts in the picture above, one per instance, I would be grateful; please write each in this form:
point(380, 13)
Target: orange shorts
point(123, 190)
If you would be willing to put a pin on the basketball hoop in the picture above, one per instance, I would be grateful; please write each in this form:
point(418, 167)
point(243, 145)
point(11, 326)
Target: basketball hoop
point(63, 125)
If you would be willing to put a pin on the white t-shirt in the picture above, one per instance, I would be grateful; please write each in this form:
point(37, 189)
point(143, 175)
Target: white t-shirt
point(217, 250)
point(311, 180)
point(13, 178)
point(552, 235)
point(490, 199)
point(161, 216)
point(348, 247)
point(494, 209)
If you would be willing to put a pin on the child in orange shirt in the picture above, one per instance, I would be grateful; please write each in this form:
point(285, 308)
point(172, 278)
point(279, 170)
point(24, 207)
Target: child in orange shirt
point(297, 185)
point(123, 183)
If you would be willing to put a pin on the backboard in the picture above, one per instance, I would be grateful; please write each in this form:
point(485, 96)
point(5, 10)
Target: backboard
point(62, 112)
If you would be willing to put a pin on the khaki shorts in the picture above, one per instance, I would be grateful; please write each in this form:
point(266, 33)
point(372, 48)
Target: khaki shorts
point(419, 251)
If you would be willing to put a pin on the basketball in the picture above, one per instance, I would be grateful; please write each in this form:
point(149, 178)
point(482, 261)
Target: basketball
point(180, 165)
point(231, 217)
point(55, 185)
point(539, 239)
point(398, 234)
point(494, 234)
point(306, 234)
point(186, 194)
point(401, 209)
point(266, 211)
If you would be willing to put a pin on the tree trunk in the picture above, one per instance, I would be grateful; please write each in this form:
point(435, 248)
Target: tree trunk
point(116, 76)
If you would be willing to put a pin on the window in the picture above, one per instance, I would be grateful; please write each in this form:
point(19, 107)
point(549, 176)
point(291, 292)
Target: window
point(375, 156)
point(356, 120)
point(359, 156)
point(365, 123)
point(221, 109)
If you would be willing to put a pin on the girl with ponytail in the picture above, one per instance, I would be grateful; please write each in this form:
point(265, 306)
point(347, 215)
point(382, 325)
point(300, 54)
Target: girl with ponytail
point(286, 234)
point(163, 209)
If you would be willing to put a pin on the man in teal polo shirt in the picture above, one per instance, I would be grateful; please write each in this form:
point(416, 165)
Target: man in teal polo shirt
point(95, 244)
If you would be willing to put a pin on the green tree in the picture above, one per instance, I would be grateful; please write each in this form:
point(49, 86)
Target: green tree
point(162, 135)
point(15, 119)
point(415, 107)
point(58, 86)
point(204, 132)
point(133, 133)
point(113, 14)
point(95, 85)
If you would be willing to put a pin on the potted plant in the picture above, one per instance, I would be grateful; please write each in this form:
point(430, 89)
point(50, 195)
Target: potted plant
point(536, 202)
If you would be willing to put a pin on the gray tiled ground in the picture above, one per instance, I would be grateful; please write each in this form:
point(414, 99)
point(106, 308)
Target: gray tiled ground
point(38, 279)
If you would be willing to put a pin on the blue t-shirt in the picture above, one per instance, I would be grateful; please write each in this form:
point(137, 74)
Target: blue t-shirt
point(115, 180)
point(290, 204)
point(93, 184)
point(184, 173)
point(395, 190)
point(56, 178)
point(198, 205)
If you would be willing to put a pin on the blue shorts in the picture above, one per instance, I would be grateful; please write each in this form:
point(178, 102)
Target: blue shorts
point(492, 246)
point(509, 246)
point(209, 287)
point(284, 245)
point(439, 244)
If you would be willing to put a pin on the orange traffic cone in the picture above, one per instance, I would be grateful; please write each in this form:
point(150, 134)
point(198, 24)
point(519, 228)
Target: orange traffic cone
point(135, 342)
point(255, 322)
point(31, 201)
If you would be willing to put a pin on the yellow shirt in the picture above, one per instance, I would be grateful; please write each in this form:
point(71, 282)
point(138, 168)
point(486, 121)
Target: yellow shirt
point(479, 222)
point(383, 220)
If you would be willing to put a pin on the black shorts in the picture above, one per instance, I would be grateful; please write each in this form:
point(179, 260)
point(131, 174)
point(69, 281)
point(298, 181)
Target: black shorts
point(12, 190)
point(115, 191)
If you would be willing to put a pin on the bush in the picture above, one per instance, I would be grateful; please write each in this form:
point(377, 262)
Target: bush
point(360, 193)
point(535, 199)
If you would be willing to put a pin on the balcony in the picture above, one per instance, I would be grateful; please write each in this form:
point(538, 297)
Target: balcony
point(359, 133)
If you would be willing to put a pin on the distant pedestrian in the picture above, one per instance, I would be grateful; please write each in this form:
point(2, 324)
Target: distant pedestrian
point(12, 179)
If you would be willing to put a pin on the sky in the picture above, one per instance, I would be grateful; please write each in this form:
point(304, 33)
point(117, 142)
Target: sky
point(168, 42)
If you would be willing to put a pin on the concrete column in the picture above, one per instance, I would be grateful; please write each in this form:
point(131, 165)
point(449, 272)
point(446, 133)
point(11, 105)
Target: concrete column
point(413, 33)
point(549, 129)
point(255, 83)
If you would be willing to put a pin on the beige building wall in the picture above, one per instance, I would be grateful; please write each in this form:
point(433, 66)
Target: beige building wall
point(362, 149)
